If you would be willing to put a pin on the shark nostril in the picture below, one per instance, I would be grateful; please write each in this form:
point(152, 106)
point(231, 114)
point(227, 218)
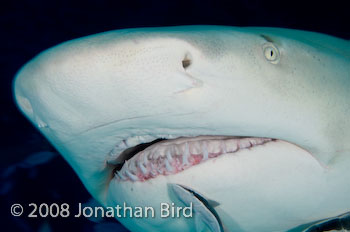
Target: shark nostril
point(187, 61)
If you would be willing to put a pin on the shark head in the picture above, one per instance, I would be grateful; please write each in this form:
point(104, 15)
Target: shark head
point(256, 119)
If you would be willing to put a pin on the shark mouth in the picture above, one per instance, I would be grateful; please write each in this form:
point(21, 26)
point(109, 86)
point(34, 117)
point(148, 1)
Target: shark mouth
point(170, 156)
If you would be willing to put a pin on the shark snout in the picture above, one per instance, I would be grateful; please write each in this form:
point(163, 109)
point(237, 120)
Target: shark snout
point(25, 91)
point(34, 94)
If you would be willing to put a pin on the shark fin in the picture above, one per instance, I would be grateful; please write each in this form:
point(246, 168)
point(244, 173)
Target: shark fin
point(338, 223)
point(204, 212)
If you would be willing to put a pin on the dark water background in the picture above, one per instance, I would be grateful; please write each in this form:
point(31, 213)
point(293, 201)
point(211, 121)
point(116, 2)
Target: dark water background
point(30, 169)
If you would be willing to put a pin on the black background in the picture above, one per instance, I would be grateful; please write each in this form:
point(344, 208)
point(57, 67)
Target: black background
point(29, 27)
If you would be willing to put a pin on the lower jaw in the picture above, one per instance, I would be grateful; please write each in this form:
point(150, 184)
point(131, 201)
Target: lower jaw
point(252, 186)
point(172, 156)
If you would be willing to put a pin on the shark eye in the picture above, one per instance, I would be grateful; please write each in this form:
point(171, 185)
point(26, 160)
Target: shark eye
point(271, 53)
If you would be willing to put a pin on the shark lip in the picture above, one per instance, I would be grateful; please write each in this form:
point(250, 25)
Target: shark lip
point(170, 156)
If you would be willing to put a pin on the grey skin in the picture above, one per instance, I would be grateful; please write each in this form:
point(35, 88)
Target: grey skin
point(88, 95)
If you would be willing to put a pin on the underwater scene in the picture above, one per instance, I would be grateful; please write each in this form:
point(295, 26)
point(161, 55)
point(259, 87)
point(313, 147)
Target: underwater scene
point(174, 116)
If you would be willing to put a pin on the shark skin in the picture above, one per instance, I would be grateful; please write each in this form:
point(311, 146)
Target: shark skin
point(97, 96)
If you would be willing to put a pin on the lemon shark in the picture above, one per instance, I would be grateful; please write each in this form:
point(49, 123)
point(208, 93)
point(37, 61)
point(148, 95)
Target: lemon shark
point(251, 125)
